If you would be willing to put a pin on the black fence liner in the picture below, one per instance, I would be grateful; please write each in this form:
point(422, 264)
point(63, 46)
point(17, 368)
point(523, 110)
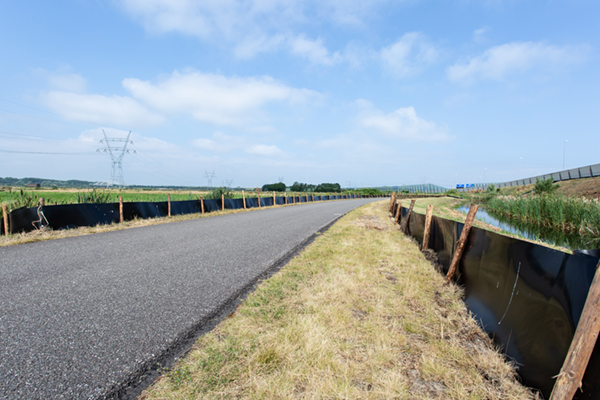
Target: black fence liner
point(527, 297)
point(68, 216)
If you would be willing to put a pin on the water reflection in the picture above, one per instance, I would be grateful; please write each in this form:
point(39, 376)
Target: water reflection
point(572, 241)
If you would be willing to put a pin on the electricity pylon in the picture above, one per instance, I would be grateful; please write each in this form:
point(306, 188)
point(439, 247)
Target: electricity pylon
point(209, 177)
point(116, 155)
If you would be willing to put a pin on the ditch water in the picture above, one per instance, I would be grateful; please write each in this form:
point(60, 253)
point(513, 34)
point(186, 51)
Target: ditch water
point(558, 238)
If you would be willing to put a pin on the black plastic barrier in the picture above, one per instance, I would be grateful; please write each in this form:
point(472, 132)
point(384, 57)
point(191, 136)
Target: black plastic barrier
point(74, 215)
point(527, 297)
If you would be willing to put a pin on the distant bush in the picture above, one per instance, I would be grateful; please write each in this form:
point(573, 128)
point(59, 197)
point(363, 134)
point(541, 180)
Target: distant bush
point(452, 192)
point(218, 192)
point(545, 186)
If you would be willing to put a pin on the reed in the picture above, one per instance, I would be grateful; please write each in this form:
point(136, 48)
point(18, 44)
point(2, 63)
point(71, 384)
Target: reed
point(566, 214)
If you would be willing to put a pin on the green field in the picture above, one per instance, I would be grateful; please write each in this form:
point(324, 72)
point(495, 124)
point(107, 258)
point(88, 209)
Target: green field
point(26, 197)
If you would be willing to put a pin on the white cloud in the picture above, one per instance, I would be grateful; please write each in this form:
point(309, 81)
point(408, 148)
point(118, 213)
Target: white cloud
point(265, 150)
point(63, 80)
point(411, 53)
point(314, 51)
point(499, 62)
point(98, 109)
point(219, 143)
point(214, 98)
point(402, 123)
point(479, 35)
point(236, 19)
point(253, 26)
point(251, 46)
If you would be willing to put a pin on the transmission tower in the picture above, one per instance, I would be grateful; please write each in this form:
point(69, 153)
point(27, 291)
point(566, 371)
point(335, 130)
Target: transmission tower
point(280, 178)
point(228, 183)
point(209, 177)
point(116, 154)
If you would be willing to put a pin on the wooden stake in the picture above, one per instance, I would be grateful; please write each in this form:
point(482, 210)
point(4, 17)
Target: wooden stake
point(405, 223)
point(312, 197)
point(202, 204)
point(222, 201)
point(307, 197)
point(582, 345)
point(286, 197)
point(5, 214)
point(244, 199)
point(428, 219)
point(392, 201)
point(121, 209)
point(169, 204)
point(258, 196)
point(460, 246)
point(273, 198)
point(398, 212)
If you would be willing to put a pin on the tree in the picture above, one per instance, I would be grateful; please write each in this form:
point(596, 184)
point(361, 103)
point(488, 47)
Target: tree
point(328, 187)
point(274, 187)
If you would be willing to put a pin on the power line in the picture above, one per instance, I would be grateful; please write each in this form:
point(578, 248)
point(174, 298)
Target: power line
point(48, 152)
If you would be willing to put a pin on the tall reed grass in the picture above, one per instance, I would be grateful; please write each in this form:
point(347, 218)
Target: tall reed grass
point(567, 214)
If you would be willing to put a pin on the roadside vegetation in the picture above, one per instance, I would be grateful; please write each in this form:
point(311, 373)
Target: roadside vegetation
point(544, 210)
point(360, 313)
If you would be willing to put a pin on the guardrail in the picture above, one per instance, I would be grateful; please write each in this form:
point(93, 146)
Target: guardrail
point(589, 171)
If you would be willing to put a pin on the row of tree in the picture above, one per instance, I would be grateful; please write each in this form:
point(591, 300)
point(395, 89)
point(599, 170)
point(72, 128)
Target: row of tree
point(303, 187)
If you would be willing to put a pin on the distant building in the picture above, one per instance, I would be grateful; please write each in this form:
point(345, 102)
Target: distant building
point(34, 185)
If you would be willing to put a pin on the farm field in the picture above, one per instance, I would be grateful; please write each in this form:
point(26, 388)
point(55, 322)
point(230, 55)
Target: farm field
point(27, 197)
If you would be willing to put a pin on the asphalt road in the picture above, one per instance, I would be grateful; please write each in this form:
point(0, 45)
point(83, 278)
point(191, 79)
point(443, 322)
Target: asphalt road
point(83, 317)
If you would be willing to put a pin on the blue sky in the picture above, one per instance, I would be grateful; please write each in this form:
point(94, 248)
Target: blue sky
point(364, 93)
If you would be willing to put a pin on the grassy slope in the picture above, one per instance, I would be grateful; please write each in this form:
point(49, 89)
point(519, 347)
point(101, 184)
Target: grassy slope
point(359, 313)
point(588, 188)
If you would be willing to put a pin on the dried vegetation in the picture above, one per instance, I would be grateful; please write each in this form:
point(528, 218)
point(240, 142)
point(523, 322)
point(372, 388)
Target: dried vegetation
point(360, 313)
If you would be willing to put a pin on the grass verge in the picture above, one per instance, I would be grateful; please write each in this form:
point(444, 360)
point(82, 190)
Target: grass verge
point(359, 313)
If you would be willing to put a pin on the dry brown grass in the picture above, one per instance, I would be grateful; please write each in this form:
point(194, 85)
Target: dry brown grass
point(360, 313)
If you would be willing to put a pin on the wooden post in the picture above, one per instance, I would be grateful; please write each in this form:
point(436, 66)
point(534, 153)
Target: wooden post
point(286, 197)
point(244, 199)
point(258, 197)
point(169, 204)
point(392, 201)
point(460, 246)
point(398, 212)
point(405, 223)
point(5, 215)
point(294, 198)
point(222, 201)
point(273, 198)
point(307, 197)
point(121, 209)
point(428, 219)
point(582, 345)
point(312, 197)
point(202, 204)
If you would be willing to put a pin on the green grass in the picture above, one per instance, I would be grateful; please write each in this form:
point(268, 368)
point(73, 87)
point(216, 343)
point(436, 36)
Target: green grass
point(565, 214)
point(17, 198)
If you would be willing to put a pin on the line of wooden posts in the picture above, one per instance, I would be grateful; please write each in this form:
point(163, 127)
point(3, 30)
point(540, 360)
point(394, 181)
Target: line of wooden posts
point(571, 374)
point(121, 217)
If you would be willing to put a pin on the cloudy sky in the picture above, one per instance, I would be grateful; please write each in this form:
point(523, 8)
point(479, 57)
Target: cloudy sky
point(364, 93)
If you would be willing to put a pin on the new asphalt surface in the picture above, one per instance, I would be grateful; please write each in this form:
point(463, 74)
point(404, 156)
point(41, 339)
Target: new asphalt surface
point(85, 317)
